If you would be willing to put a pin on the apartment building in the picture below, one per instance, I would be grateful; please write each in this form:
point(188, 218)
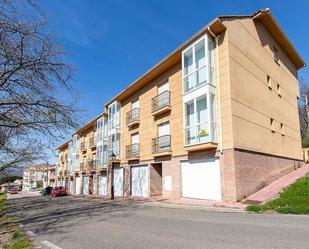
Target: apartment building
point(34, 177)
point(216, 119)
point(62, 172)
point(52, 176)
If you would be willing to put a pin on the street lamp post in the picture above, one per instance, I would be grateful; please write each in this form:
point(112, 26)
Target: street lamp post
point(113, 157)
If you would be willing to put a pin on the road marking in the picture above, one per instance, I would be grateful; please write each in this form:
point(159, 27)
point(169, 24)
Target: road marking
point(50, 245)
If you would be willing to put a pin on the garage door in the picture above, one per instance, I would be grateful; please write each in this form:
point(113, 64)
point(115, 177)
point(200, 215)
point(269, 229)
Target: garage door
point(118, 181)
point(201, 179)
point(102, 185)
point(139, 181)
point(86, 185)
point(77, 185)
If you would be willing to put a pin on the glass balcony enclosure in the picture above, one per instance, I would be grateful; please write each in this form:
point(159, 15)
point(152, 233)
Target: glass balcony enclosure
point(199, 91)
point(114, 129)
point(101, 142)
point(197, 64)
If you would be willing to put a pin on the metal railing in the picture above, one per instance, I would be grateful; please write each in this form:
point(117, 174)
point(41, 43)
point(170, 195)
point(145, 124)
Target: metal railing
point(82, 166)
point(91, 142)
point(160, 101)
point(201, 133)
point(132, 116)
point(132, 151)
point(91, 164)
point(198, 77)
point(83, 146)
point(161, 144)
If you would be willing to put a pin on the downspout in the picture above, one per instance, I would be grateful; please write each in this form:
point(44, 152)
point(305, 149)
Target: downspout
point(217, 37)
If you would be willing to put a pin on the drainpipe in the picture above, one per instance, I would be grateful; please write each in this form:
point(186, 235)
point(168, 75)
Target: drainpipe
point(217, 37)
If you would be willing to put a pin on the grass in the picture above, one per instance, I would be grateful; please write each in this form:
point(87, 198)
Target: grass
point(10, 236)
point(293, 200)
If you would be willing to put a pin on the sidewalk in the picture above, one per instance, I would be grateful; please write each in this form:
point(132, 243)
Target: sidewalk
point(277, 186)
point(186, 203)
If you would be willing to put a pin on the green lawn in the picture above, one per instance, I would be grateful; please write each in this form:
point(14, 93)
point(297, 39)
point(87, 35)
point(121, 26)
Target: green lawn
point(293, 200)
point(10, 236)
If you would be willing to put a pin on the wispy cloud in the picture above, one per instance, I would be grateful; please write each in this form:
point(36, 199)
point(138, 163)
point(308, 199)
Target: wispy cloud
point(78, 25)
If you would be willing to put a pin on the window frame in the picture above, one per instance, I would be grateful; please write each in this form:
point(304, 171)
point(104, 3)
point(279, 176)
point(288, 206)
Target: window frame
point(207, 65)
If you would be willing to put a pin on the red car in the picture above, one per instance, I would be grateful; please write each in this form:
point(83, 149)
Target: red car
point(58, 191)
point(13, 191)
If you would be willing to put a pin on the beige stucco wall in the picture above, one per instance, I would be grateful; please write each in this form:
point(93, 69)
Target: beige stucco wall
point(148, 127)
point(252, 102)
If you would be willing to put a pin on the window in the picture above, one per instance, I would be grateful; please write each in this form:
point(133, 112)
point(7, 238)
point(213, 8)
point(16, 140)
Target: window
point(114, 115)
point(135, 104)
point(282, 129)
point(275, 54)
point(163, 87)
point(269, 82)
point(197, 69)
point(272, 125)
point(279, 90)
point(196, 121)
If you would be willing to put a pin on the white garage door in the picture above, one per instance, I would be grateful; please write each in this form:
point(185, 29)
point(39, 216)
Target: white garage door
point(118, 181)
point(139, 181)
point(201, 179)
point(102, 185)
point(86, 185)
point(77, 185)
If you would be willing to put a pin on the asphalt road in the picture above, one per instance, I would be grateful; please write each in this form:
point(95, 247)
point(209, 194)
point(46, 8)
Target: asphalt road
point(78, 223)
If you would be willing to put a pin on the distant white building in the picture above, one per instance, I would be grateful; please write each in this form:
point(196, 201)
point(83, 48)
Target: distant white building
point(35, 177)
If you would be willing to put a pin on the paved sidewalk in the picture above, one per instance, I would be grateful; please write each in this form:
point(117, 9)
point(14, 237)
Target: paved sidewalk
point(277, 186)
point(185, 203)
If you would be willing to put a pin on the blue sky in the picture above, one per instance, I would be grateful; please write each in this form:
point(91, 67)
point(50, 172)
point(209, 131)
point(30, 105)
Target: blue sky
point(111, 43)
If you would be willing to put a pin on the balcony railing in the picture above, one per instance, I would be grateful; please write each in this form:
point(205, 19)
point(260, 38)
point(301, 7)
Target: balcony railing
point(132, 151)
point(132, 116)
point(92, 142)
point(160, 101)
point(91, 164)
point(83, 146)
point(201, 133)
point(82, 166)
point(161, 144)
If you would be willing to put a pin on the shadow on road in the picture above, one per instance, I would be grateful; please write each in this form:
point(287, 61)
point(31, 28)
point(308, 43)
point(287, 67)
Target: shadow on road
point(43, 215)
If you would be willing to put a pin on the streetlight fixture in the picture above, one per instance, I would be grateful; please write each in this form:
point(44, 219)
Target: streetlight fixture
point(113, 158)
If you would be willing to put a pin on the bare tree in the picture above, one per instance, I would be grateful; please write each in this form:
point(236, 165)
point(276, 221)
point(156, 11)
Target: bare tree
point(303, 109)
point(36, 98)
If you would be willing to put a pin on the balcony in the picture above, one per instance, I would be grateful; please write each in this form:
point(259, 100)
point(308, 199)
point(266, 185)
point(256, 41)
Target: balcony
point(82, 166)
point(201, 137)
point(83, 146)
point(91, 164)
point(161, 146)
point(132, 152)
point(92, 143)
point(133, 117)
point(100, 165)
point(161, 103)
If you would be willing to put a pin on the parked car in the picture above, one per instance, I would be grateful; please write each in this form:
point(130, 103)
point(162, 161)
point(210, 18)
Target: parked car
point(58, 191)
point(46, 191)
point(33, 189)
point(13, 191)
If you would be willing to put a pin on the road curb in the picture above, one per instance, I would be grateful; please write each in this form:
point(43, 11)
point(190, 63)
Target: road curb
point(196, 207)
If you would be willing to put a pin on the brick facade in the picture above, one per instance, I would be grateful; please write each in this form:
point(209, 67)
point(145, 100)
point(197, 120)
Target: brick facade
point(245, 172)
